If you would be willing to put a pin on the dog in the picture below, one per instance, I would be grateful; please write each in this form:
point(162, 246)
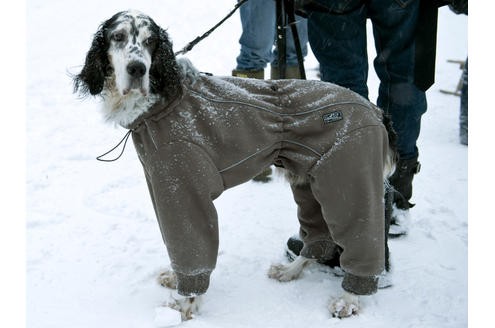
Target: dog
point(197, 135)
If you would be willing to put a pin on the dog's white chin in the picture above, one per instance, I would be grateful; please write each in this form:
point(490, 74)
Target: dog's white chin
point(134, 92)
point(124, 109)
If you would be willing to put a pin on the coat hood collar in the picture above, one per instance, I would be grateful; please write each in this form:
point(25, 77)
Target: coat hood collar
point(161, 107)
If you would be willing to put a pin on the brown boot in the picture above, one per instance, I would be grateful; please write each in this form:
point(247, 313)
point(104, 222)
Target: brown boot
point(250, 74)
point(292, 72)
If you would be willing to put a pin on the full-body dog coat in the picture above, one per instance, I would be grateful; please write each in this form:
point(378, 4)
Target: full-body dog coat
point(220, 132)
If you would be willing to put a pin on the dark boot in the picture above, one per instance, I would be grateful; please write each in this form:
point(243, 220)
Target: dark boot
point(401, 181)
point(292, 72)
point(295, 245)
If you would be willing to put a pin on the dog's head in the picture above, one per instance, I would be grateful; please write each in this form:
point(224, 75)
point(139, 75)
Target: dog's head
point(130, 53)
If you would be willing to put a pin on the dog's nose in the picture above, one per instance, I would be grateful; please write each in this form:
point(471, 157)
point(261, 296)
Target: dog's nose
point(136, 69)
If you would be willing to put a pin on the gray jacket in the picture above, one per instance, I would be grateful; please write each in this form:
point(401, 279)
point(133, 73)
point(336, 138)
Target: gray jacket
point(222, 131)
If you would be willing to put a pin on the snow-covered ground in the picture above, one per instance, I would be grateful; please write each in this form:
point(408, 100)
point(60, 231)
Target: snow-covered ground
point(93, 244)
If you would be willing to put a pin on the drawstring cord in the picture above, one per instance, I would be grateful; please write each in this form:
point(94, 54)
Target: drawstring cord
point(124, 140)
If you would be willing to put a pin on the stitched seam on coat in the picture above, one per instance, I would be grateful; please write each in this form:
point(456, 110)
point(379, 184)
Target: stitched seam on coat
point(274, 112)
point(246, 158)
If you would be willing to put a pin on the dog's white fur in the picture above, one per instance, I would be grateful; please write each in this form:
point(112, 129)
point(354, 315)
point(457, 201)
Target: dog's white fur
point(126, 97)
point(344, 306)
point(126, 47)
point(187, 306)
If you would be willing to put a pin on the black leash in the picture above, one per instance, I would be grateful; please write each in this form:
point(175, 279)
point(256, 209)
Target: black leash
point(194, 42)
point(282, 13)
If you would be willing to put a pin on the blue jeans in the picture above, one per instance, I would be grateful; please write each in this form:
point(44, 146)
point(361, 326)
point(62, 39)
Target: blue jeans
point(258, 36)
point(339, 44)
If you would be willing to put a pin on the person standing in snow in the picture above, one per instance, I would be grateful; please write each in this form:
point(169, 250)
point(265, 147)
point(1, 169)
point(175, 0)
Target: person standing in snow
point(405, 41)
point(463, 117)
point(461, 7)
point(258, 20)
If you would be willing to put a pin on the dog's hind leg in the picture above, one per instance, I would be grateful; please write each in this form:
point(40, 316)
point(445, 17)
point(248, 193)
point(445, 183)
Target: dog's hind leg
point(290, 271)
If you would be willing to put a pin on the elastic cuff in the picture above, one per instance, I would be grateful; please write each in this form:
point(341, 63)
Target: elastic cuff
point(360, 285)
point(193, 285)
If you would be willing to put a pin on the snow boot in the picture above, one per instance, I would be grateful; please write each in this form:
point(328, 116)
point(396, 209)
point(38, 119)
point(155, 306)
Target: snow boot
point(401, 181)
point(250, 74)
point(295, 246)
point(292, 72)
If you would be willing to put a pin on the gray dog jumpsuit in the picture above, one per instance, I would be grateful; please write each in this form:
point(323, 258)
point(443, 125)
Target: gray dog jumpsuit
point(222, 131)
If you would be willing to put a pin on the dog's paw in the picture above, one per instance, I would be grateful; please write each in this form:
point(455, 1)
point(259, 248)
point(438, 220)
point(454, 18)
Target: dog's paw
point(344, 306)
point(187, 306)
point(167, 279)
point(290, 271)
point(281, 273)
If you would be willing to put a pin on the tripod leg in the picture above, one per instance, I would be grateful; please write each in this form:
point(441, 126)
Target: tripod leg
point(281, 39)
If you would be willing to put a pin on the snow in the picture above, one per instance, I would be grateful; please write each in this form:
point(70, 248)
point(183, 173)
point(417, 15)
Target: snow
point(93, 247)
point(166, 317)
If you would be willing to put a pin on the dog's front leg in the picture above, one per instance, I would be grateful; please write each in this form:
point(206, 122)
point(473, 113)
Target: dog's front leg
point(186, 305)
point(344, 306)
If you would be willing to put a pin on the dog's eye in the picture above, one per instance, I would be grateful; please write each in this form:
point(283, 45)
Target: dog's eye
point(118, 36)
point(150, 42)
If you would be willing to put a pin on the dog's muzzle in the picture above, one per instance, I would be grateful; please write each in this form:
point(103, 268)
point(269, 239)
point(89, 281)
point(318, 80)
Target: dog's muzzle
point(136, 71)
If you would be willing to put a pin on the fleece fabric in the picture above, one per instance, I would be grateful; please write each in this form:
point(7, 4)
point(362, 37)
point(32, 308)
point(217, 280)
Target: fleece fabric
point(222, 131)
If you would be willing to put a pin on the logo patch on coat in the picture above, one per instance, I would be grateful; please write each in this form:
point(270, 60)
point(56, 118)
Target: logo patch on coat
point(333, 117)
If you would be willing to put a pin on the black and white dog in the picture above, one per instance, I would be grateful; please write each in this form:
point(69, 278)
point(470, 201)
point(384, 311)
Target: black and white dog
point(131, 65)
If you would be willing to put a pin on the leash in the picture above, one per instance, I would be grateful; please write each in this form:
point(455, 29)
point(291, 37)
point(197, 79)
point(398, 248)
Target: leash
point(194, 42)
point(282, 11)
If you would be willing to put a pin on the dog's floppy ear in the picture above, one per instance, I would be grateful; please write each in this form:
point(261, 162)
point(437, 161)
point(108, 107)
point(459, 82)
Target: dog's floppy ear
point(164, 71)
point(92, 76)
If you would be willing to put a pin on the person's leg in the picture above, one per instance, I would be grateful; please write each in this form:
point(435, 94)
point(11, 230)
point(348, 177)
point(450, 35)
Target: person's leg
point(339, 44)
point(394, 25)
point(463, 118)
point(258, 32)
